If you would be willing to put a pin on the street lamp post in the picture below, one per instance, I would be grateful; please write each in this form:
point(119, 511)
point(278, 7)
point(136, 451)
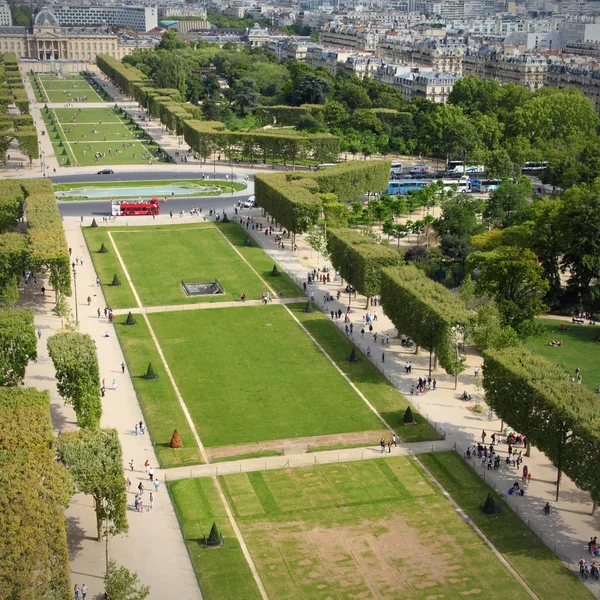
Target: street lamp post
point(431, 330)
point(232, 188)
point(75, 288)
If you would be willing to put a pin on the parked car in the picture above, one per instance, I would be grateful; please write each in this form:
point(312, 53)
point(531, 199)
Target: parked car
point(106, 172)
point(249, 202)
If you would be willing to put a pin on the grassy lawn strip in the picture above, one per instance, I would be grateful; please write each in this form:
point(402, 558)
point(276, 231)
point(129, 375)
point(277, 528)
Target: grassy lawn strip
point(251, 375)
point(535, 563)
point(158, 260)
point(157, 397)
point(223, 573)
point(390, 403)
point(367, 529)
point(260, 260)
point(261, 454)
point(65, 187)
point(578, 349)
point(107, 265)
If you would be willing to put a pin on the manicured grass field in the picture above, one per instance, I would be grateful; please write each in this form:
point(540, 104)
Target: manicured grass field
point(97, 116)
point(389, 402)
point(251, 374)
point(578, 349)
point(66, 90)
point(159, 260)
point(223, 573)
point(535, 563)
point(160, 406)
point(370, 529)
point(121, 297)
point(113, 132)
point(133, 153)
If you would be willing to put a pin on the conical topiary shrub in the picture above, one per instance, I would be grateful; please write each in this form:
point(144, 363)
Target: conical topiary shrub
point(150, 373)
point(353, 358)
point(225, 219)
point(275, 272)
point(94, 224)
point(103, 249)
point(308, 308)
point(215, 539)
point(175, 440)
point(115, 281)
point(130, 320)
point(490, 507)
point(408, 416)
point(247, 242)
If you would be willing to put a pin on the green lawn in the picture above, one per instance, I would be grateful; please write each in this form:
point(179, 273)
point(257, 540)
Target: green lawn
point(578, 349)
point(66, 90)
point(117, 153)
point(545, 574)
point(113, 132)
point(158, 260)
point(389, 402)
point(107, 266)
point(95, 116)
point(223, 573)
point(160, 406)
point(370, 529)
point(121, 297)
point(251, 374)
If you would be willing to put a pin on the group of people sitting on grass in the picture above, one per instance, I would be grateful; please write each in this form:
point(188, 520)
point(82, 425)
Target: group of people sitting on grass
point(555, 343)
point(75, 98)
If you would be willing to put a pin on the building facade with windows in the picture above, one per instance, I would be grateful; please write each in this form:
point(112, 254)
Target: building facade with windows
point(47, 40)
point(138, 18)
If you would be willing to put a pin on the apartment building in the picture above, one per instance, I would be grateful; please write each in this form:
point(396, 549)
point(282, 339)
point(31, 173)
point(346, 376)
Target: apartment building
point(435, 87)
point(5, 15)
point(138, 18)
point(349, 36)
point(526, 70)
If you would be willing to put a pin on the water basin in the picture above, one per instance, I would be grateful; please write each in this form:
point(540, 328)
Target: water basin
point(99, 193)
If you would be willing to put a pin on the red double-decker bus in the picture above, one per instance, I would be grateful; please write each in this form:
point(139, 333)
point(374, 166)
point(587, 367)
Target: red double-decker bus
point(125, 208)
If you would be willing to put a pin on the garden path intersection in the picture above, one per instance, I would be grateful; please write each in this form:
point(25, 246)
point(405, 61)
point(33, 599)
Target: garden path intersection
point(565, 530)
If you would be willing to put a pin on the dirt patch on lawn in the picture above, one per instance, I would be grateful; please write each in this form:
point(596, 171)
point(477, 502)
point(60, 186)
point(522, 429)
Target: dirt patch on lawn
point(301, 444)
point(383, 559)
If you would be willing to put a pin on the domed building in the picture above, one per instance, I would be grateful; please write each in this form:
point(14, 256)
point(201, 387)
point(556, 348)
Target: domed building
point(46, 40)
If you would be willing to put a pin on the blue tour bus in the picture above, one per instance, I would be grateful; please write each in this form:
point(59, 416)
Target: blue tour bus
point(484, 186)
point(404, 186)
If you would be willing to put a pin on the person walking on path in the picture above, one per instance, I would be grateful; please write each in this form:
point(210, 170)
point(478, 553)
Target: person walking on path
point(389, 447)
point(128, 484)
point(123, 368)
point(368, 351)
point(394, 440)
point(383, 357)
point(151, 500)
point(136, 429)
point(151, 474)
point(547, 508)
point(84, 591)
point(131, 464)
point(156, 484)
point(142, 430)
point(141, 488)
point(483, 434)
point(76, 592)
point(114, 384)
point(382, 445)
point(147, 466)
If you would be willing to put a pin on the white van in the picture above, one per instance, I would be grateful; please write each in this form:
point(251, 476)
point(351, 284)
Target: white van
point(420, 169)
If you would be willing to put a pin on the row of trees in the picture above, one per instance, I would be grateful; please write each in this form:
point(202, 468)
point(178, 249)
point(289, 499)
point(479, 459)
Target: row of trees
point(500, 126)
point(35, 491)
point(536, 398)
point(297, 200)
point(207, 137)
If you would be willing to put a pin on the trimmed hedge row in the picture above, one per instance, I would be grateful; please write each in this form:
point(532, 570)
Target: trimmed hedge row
point(291, 198)
point(204, 137)
point(35, 492)
point(359, 259)
point(424, 310)
point(559, 417)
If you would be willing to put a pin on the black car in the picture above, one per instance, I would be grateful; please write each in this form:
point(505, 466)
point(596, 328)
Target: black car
point(106, 172)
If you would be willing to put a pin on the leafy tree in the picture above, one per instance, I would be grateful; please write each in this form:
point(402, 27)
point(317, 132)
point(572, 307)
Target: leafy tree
point(578, 220)
point(513, 278)
point(459, 216)
point(508, 204)
point(499, 164)
point(488, 330)
point(455, 247)
point(76, 364)
point(18, 345)
point(245, 96)
point(475, 95)
point(170, 41)
point(122, 584)
point(95, 460)
point(309, 123)
point(311, 89)
point(335, 114)
point(366, 120)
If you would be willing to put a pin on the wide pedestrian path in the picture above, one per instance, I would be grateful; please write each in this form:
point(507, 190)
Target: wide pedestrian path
point(154, 546)
point(570, 524)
